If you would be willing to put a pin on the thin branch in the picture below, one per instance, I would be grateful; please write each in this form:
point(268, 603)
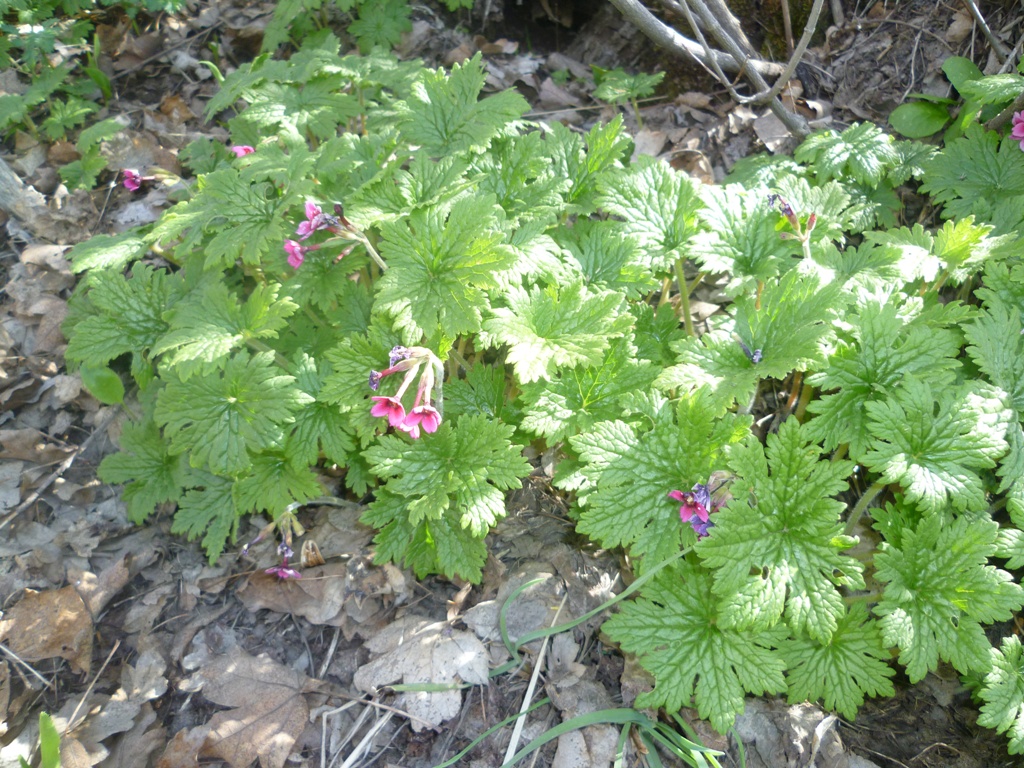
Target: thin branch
point(665, 36)
point(997, 45)
point(798, 53)
point(793, 122)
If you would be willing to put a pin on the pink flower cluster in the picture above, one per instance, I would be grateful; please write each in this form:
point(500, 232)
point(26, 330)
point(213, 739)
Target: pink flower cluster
point(317, 220)
point(423, 415)
point(1018, 128)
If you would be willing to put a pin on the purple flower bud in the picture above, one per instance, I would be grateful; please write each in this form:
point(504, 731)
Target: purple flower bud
point(398, 352)
point(375, 377)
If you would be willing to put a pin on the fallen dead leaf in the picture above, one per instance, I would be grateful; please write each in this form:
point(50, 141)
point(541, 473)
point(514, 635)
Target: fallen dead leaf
point(414, 650)
point(44, 625)
point(317, 597)
point(183, 750)
point(268, 711)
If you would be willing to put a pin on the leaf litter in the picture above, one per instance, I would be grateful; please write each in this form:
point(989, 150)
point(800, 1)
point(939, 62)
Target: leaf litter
point(126, 636)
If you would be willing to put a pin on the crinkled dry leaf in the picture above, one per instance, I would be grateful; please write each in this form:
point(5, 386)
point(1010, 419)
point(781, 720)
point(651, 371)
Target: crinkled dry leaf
point(417, 650)
point(97, 590)
point(268, 710)
point(317, 597)
point(183, 750)
point(44, 625)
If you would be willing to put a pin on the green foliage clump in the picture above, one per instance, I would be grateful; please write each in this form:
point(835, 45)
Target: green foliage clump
point(395, 232)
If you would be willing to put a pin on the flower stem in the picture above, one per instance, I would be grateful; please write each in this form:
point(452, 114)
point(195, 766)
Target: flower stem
point(373, 253)
point(805, 398)
point(862, 504)
point(684, 298)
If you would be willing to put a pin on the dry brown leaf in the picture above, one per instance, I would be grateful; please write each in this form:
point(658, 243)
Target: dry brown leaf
point(417, 650)
point(268, 711)
point(44, 625)
point(31, 445)
point(183, 750)
point(318, 596)
point(73, 754)
point(135, 746)
point(97, 591)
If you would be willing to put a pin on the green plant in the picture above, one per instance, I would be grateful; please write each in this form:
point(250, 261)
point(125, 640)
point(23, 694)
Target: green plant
point(31, 32)
point(617, 86)
point(867, 374)
point(371, 22)
point(49, 744)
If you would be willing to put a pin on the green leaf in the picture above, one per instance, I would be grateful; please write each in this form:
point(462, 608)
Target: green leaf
point(113, 252)
point(861, 152)
point(444, 116)
point(1003, 693)
point(380, 22)
point(607, 146)
point(658, 206)
point(451, 483)
point(888, 344)
point(577, 399)
point(783, 526)
point(222, 418)
point(993, 89)
point(994, 344)
point(208, 511)
point(481, 392)
point(675, 633)
point(933, 442)
point(518, 172)
point(66, 114)
point(209, 324)
point(49, 742)
point(320, 426)
point(439, 264)
point(274, 483)
point(616, 86)
point(606, 258)
point(243, 220)
point(152, 474)
point(852, 664)
point(939, 590)
point(789, 329)
point(656, 333)
point(633, 470)
point(102, 383)
point(919, 119)
point(82, 173)
point(972, 174)
point(960, 70)
point(741, 237)
point(128, 316)
point(558, 327)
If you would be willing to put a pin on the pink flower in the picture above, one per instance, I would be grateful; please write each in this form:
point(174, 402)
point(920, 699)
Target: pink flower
point(413, 430)
point(1018, 128)
point(391, 407)
point(692, 506)
point(315, 220)
point(296, 253)
point(132, 179)
point(425, 416)
point(283, 571)
point(241, 150)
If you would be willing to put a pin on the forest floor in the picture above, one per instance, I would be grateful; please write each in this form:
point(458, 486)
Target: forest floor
point(147, 655)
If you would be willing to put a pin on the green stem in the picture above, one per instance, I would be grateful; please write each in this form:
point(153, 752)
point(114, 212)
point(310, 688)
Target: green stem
point(862, 504)
point(259, 346)
point(373, 253)
point(801, 406)
point(684, 299)
point(636, 112)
